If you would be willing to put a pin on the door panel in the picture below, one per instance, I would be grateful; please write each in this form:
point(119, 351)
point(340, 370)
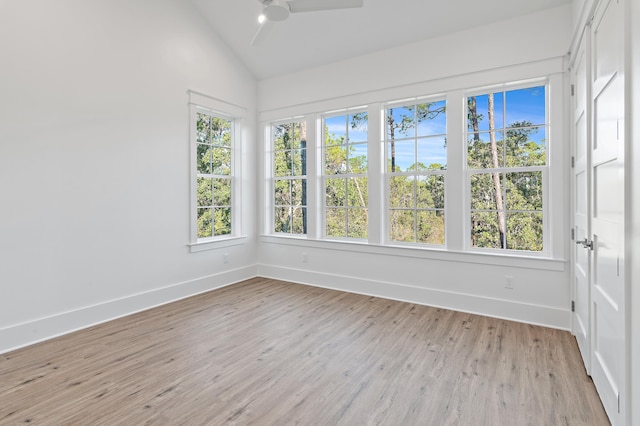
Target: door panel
point(607, 210)
point(605, 35)
point(581, 191)
point(607, 199)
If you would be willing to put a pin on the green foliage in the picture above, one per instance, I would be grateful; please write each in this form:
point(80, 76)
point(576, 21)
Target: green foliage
point(290, 185)
point(416, 195)
point(416, 208)
point(522, 196)
point(214, 176)
point(346, 197)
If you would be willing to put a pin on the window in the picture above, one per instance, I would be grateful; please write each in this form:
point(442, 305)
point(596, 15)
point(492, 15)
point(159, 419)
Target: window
point(415, 137)
point(289, 177)
point(216, 130)
point(345, 157)
point(214, 136)
point(469, 170)
point(507, 164)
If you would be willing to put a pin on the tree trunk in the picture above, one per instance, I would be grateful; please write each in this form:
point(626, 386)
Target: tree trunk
point(496, 176)
point(473, 117)
point(392, 140)
point(361, 197)
point(303, 152)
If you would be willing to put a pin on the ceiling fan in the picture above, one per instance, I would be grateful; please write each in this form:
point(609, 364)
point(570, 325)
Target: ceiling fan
point(279, 10)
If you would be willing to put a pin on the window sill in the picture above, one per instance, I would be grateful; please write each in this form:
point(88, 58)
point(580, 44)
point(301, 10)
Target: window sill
point(217, 243)
point(431, 253)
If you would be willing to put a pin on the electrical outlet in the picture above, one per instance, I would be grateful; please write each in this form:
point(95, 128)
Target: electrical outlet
point(508, 282)
point(225, 258)
point(305, 257)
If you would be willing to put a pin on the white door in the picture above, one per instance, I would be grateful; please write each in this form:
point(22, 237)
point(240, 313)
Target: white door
point(607, 208)
point(581, 201)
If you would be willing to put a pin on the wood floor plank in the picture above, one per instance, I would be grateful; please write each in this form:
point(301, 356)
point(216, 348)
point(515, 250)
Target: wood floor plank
point(268, 352)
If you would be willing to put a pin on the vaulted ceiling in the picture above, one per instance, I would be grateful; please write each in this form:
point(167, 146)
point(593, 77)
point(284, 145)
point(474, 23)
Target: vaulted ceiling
point(310, 39)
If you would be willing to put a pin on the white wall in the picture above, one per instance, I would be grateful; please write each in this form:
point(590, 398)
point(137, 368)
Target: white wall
point(507, 51)
point(632, 75)
point(529, 38)
point(94, 160)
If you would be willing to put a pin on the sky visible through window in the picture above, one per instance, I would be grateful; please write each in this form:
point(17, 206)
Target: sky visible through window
point(515, 106)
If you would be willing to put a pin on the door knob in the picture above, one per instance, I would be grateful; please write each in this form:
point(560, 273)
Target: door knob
point(586, 243)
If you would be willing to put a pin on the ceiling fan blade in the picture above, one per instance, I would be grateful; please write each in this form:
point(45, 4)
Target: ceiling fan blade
point(263, 30)
point(314, 5)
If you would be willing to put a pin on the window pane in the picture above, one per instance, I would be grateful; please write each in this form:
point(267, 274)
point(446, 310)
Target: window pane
point(524, 231)
point(358, 192)
point(282, 219)
point(430, 227)
point(401, 191)
point(481, 154)
point(335, 159)
point(358, 127)
point(358, 219)
point(336, 222)
point(524, 191)
point(296, 136)
point(222, 221)
point(299, 220)
point(432, 154)
point(202, 128)
point(279, 143)
point(402, 225)
point(282, 193)
point(220, 131)
point(526, 146)
point(205, 193)
point(283, 136)
point(403, 155)
point(204, 223)
point(432, 118)
point(358, 158)
point(478, 109)
point(430, 192)
point(336, 192)
point(400, 122)
point(221, 159)
point(204, 159)
point(526, 106)
point(221, 192)
point(336, 130)
point(299, 162)
point(282, 164)
point(483, 190)
point(484, 230)
point(298, 189)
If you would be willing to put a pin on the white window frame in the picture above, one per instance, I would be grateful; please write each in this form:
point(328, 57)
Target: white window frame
point(273, 178)
point(386, 215)
point(545, 170)
point(454, 90)
point(346, 175)
point(201, 103)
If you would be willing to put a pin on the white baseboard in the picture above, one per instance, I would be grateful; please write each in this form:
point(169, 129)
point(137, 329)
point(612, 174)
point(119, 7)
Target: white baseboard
point(28, 333)
point(491, 307)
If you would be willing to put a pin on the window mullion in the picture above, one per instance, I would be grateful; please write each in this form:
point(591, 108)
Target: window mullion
point(456, 208)
point(376, 182)
point(313, 176)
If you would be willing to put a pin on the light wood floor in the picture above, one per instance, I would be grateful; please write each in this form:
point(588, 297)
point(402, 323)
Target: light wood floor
point(267, 352)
